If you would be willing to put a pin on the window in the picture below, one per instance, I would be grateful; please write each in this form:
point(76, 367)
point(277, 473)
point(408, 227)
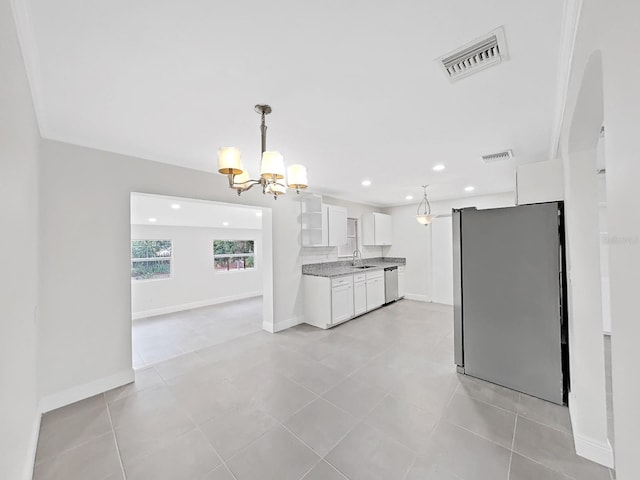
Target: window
point(151, 259)
point(233, 255)
point(348, 248)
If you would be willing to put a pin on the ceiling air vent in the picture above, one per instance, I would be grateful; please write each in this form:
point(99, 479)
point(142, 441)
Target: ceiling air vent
point(498, 156)
point(491, 49)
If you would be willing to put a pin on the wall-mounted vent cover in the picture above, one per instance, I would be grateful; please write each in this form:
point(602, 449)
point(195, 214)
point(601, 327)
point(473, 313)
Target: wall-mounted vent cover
point(498, 156)
point(486, 51)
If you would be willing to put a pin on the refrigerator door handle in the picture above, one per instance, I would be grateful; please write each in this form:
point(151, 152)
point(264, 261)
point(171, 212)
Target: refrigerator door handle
point(456, 218)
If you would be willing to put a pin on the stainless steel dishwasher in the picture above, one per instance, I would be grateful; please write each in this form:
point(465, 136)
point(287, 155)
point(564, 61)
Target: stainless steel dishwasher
point(390, 284)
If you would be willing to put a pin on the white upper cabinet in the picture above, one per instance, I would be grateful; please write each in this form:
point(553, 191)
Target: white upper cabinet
point(377, 229)
point(313, 218)
point(322, 225)
point(337, 221)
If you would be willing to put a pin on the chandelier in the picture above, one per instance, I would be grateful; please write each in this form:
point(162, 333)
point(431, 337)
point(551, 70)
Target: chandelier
point(272, 171)
point(424, 215)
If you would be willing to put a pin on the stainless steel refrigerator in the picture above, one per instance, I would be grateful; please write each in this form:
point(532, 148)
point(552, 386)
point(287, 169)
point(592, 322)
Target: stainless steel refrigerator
point(509, 285)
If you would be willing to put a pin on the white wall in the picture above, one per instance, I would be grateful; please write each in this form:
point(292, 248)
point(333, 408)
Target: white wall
point(19, 143)
point(193, 282)
point(413, 241)
point(429, 250)
point(85, 339)
point(540, 182)
point(587, 400)
point(442, 260)
point(610, 30)
point(604, 242)
point(330, 254)
point(619, 35)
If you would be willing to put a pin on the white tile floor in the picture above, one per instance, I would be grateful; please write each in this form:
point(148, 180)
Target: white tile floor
point(162, 337)
point(375, 398)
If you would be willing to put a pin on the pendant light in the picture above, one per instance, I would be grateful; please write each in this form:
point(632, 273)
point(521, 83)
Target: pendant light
point(424, 215)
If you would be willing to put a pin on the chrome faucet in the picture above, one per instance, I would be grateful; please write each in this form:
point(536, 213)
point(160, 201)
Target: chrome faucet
point(356, 253)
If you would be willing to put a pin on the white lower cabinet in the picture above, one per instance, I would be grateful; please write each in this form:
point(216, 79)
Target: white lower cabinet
point(330, 301)
point(359, 294)
point(341, 300)
point(375, 289)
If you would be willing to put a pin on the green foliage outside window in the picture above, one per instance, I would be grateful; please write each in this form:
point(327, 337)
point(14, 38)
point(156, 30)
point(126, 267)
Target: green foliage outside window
point(151, 259)
point(233, 254)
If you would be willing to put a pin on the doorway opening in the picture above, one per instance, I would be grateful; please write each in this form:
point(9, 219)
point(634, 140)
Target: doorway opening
point(200, 275)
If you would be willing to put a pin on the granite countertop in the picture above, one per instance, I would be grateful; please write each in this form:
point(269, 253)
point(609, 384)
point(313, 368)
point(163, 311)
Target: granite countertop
point(335, 269)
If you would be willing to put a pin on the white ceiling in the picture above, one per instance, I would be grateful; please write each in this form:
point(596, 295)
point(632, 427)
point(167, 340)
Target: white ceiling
point(354, 87)
point(192, 213)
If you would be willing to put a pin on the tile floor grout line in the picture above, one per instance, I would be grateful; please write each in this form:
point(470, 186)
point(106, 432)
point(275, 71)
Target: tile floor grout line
point(215, 450)
point(115, 438)
point(332, 466)
point(547, 467)
point(385, 434)
point(71, 449)
point(486, 402)
point(349, 413)
point(406, 474)
point(526, 417)
point(242, 449)
point(314, 466)
point(337, 469)
point(476, 434)
point(322, 457)
point(513, 441)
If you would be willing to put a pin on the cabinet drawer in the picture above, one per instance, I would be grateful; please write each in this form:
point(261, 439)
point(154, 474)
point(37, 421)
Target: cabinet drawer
point(376, 274)
point(360, 277)
point(336, 282)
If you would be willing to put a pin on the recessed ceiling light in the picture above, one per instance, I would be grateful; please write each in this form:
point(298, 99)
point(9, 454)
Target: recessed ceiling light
point(438, 168)
point(258, 214)
point(409, 197)
point(366, 183)
point(175, 206)
point(152, 219)
point(226, 224)
point(470, 188)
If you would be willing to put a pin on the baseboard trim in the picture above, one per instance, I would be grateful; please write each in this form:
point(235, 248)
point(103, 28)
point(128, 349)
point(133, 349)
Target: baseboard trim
point(33, 446)
point(291, 322)
point(587, 447)
point(416, 297)
point(268, 327)
point(188, 306)
point(80, 392)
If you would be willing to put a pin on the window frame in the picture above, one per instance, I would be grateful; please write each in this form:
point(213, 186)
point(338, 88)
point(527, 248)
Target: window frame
point(354, 236)
point(252, 254)
point(152, 259)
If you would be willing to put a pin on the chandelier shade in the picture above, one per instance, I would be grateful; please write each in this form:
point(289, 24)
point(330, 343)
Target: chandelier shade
point(425, 219)
point(272, 165)
point(297, 177)
point(229, 161)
